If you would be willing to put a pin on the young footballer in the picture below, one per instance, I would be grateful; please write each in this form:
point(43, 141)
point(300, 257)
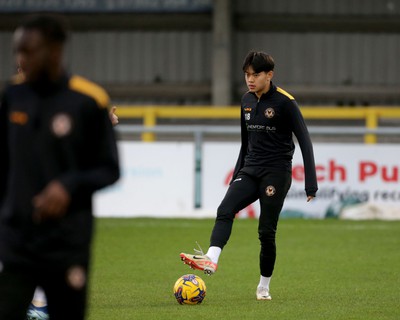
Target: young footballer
point(269, 118)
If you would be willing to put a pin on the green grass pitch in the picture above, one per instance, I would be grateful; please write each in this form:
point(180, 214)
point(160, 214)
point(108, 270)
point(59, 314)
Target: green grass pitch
point(325, 269)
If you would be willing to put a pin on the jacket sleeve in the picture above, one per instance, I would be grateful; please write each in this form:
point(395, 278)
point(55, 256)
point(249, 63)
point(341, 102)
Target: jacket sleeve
point(4, 158)
point(303, 137)
point(243, 148)
point(100, 166)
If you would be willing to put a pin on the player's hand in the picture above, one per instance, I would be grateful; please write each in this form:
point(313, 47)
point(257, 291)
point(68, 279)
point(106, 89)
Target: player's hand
point(309, 198)
point(113, 116)
point(51, 203)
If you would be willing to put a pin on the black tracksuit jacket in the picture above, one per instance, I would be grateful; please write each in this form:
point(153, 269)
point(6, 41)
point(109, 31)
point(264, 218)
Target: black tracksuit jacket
point(267, 127)
point(52, 131)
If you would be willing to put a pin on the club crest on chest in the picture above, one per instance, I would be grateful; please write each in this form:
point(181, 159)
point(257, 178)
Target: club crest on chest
point(269, 113)
point(61, 125)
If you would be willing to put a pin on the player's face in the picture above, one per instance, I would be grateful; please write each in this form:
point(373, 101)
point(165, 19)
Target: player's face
point(258, 83)
point(31, 53)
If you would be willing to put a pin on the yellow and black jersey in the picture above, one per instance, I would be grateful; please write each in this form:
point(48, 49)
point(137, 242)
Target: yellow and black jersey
point(53, 131)
point(267, 127)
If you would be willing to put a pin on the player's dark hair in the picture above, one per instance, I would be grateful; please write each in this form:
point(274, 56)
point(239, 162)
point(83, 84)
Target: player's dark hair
point(259, 61)
point(52, 27)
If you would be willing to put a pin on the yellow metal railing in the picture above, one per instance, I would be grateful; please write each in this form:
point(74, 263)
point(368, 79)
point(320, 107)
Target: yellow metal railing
point(150, 114)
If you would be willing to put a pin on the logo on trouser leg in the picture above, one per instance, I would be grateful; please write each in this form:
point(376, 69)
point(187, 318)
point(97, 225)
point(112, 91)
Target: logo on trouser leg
point(270, 191)
point(76, 277)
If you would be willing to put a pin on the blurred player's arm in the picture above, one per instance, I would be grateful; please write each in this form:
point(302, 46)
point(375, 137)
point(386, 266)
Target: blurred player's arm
point(102, 164)
point(100, 154)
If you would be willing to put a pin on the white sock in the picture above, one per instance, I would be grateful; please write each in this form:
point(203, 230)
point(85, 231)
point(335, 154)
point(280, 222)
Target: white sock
point(213, 253)
point(264, 282)
point(39, 298)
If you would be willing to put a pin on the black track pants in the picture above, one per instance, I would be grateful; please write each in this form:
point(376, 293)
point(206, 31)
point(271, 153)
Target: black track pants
point(271, 189)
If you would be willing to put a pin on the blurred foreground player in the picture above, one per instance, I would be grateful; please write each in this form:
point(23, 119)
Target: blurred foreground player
point(58, 147)
point(269, 117)
point(38, 308)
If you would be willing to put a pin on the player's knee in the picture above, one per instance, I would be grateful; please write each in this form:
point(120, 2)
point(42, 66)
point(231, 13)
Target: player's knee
point(266, 236)
point(225, 213)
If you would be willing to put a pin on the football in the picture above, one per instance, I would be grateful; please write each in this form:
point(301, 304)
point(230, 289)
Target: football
point(189, 289)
